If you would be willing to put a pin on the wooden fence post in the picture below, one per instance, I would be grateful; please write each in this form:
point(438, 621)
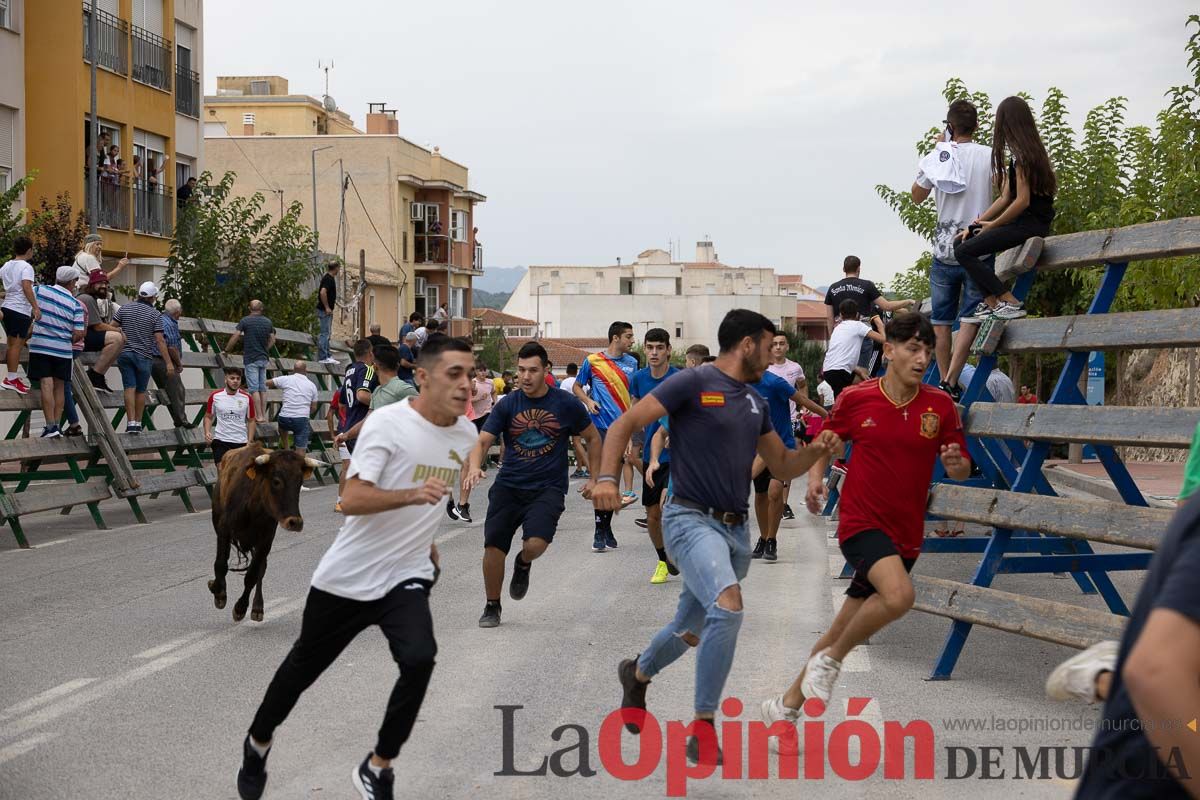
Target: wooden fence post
point(106, 438)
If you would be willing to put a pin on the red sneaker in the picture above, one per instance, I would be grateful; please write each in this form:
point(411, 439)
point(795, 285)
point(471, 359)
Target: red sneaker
point(16, 384)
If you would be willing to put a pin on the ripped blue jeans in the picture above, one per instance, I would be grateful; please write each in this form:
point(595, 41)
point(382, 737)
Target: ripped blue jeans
point(711, 557)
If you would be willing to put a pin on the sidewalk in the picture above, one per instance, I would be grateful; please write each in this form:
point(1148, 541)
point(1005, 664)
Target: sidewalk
point(1157, 479)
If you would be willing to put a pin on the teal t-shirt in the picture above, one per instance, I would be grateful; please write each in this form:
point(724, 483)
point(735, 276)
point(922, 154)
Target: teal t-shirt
point(1191, 472)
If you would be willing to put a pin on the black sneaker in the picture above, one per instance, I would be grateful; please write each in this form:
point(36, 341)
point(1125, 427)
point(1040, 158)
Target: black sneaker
point(252, 777)
point(519, 584)
point(641, 523)
point(464, 513)
point(598, 545)
point(97, 380)
point(955, 391)
point(671, 568)
point(760, 548)
point(491, 616)
point(693, 749)
point(610, 541)
point(633, 691)
point(772, 551)
point(787, 512)
point(452, 510)
point(371, 786)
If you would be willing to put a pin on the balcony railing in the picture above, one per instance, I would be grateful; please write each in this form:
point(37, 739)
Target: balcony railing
point(114, 201)
point(112, 41)
point(187, 92)
point(154, 205)
point(151, 59)
point(431, 248)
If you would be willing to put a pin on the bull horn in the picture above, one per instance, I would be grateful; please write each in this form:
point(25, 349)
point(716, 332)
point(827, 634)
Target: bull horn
point(313, 463)
point(263, 459)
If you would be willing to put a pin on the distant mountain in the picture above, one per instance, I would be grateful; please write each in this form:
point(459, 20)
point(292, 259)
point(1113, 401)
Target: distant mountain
point(499, 279)
point(481, 298)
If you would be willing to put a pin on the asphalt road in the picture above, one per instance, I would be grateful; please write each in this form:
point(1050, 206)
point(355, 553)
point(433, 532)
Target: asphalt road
point(120, 679)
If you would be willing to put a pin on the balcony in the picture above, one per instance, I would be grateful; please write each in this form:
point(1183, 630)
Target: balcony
point(153, 206)
point(114, 202)
point(187, 92)
point(151, 59)
point(431, 248)
point(112, 42)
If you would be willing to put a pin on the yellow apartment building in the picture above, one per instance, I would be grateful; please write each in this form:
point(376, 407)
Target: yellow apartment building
point(148, 54)
point(259, 105)
point(410, 209)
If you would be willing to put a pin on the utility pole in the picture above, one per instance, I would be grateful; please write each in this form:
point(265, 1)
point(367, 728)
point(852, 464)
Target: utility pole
point(362, 294)
point(316, 233)
point(93, 185)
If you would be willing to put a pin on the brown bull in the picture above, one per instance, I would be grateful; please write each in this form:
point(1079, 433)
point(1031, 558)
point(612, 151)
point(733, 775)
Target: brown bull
point(256, 490)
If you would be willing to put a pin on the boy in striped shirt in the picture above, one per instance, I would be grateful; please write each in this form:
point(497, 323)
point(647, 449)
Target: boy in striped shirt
point(59, 327)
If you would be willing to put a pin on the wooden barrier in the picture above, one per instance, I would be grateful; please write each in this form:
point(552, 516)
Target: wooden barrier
point(106, 464)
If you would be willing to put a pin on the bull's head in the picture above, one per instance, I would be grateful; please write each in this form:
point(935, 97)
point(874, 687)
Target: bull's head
point(277, 476)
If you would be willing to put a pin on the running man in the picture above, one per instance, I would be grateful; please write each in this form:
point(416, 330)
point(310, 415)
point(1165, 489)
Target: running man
point(603, 387)
point(657, 344)
point(383, 563)
point(537, 424)
point(229, 418)
point(717, 425)
point(899, 428)
point(769, 491)
point(793, 373)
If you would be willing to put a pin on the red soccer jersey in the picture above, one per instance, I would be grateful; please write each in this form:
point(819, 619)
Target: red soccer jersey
point(895, 448)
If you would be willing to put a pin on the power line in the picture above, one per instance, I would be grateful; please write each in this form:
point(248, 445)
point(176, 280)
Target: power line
point(266, 182)
point(377, 236)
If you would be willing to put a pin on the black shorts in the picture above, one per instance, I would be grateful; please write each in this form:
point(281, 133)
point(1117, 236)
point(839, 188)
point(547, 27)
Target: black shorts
point(838, 379)
point(652, 495)
point(219, 449)
point(44, 366)
point(534, 511)
point(16, 324)
point(763, 482)
point(480, 420)
point(862, 551)
point(93, 340)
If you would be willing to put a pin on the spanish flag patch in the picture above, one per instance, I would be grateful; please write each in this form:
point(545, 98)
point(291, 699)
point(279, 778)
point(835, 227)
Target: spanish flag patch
point(712, 399)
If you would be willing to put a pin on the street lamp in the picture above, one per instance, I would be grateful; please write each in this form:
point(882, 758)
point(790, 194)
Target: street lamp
point(538, 331)
point(316, 235)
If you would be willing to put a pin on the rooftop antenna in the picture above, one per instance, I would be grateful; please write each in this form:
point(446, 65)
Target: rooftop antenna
point(326, 68)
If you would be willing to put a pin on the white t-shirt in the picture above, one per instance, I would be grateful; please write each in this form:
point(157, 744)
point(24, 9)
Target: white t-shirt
point(845, 345)
point(825, 392)
point(957, 211)
point(567, 384)
point(13, 273)
point(230, 412)
point(299, 393)
point(397, 449)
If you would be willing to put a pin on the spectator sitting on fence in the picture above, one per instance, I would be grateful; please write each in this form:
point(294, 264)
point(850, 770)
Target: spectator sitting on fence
point(102, 335)
point(408, 358)
point(999, 386)
point(50, 356)
point(259, 335)
point(376, 338)
point(172, 384)
point(89, 259)
point(842, 358)
point(1024, 208)
point(142, 325)
point(299, 404)
point(229, 417)
point(20, 308)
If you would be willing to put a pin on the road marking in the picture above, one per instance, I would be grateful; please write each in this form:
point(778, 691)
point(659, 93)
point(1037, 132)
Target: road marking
point(155, 652)
point(24, 746)
point(44, 697)
point(103, 689)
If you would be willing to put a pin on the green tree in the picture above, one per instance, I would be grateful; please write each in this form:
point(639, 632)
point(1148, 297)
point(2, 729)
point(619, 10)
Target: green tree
point(494, 351)
point(228, 251)
point(14, 221)
point(58, 233)
point(1110, 174)
point(809, 355)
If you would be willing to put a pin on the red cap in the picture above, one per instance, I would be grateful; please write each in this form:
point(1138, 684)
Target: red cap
point(97, 276)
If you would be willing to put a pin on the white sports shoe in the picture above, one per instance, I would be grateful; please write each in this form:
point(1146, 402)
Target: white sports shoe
point(820, 674)
point(1076, 677)
point(773, 711)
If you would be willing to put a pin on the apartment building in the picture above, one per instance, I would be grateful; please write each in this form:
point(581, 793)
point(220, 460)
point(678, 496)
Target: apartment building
point(688, 299)
point(260, 105)
point(12, 92)
point(148, 55)
point(409, 209)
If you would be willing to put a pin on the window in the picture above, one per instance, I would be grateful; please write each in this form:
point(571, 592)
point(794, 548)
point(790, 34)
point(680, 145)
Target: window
point(626, 285)
point(183, 171)
point(4, 13)
point(431, 299)
point(679, 286)
point(678, 330)
point(458, 302)
point(599, 274)
point(148, 15)
point(432, 213)
point(8, 119)
point(570, 287)
point(553, 273)
point(458, 225)
point(478, 262)
point(371, 308)
point(260, 87)
point(547, 328)
point(404, 245)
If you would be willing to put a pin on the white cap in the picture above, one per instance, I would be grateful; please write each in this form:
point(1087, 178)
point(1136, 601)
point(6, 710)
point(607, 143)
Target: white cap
point(66, 274)
point(148, 289)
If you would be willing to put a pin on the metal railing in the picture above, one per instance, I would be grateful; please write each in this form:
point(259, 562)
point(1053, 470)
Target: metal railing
point(113, 212)
point(151, 59)
point(187, 92)
point(112, 42)
point(431, 248)
point(154, 206)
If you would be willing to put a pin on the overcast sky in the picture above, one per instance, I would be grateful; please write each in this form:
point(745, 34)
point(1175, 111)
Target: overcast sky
point(598, 130)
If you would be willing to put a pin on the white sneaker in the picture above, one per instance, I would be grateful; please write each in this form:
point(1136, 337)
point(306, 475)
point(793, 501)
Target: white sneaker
point(820, 674)
point(1076, 677)
point(773, 711)
point(1007, 311)
point(978, 314)
point(330, 360)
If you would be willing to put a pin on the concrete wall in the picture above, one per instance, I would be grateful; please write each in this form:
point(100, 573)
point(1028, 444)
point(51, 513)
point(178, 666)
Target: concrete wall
point(12, 82)
point(189, 134)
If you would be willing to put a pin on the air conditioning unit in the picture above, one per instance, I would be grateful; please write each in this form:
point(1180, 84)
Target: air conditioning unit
point(419, 287)
point(416, 212)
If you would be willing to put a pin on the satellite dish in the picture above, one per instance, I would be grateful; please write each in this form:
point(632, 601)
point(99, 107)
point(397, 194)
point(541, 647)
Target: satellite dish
point(330, 104)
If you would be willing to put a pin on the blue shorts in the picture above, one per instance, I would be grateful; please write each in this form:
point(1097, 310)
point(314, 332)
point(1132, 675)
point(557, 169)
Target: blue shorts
point(299, 427)
point(135, 371)
point(256, 376)
point(947, 283)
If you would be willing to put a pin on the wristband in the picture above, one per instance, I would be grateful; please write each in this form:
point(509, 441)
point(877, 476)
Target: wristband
point(606, 478)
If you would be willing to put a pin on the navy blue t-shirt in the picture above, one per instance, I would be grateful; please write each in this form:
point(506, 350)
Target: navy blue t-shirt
point(358, 376)
point(536, 433)
point(406, 354)
point(716, 422)
point(641, 384)
point(778, 394)
point(1122, 763)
